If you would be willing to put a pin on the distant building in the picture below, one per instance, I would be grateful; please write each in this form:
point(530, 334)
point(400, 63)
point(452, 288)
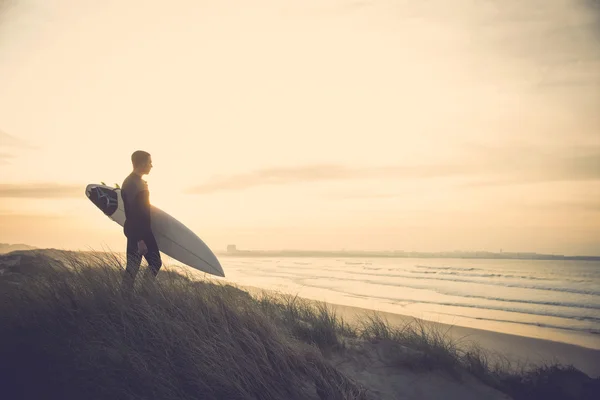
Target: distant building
point(231, 248)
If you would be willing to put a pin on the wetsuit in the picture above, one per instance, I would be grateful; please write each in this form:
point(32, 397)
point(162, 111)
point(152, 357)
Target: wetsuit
point(136, 200)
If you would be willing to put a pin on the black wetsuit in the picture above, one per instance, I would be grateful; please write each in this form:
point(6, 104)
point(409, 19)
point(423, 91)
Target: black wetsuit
point(136, 200)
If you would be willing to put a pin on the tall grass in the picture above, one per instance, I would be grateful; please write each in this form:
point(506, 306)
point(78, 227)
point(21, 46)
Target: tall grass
point(311, 322)
point(421, 345)
point(71, 331)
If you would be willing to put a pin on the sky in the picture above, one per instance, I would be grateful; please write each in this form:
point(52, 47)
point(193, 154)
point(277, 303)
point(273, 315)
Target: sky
point(307, 124)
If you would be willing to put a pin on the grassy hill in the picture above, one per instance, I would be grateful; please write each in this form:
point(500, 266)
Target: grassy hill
point(68, 331)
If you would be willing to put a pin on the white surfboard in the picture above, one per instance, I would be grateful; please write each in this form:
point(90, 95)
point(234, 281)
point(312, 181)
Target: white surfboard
point(173, 238)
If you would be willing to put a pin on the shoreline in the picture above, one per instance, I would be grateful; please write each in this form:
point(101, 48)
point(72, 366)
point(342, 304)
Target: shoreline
point(514, 347)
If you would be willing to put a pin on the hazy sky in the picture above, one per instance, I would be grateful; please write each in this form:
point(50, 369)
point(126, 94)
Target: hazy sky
point(313, 124)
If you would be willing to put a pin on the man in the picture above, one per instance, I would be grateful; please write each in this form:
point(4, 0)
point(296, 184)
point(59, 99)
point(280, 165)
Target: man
point(137, 227)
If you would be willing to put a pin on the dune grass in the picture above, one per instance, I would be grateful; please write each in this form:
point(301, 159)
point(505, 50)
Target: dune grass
point(71, 331)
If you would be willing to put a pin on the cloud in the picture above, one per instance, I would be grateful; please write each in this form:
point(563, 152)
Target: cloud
point(4, 157)
point(40, 191)
point(7, 218)
point(495, 166)
point(316, 173)
point(362, 195)
point(588, 206)
point(523, 167)
point(7, 140)
point(275, 176)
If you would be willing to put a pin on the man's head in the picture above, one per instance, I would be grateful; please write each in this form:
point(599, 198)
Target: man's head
point(142, 162)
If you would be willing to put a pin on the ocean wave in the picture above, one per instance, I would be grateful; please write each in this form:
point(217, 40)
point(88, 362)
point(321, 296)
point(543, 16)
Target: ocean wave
point(463, 272)
point(540, 324)
point(573, 290)
point(436, 277)
point(529, 277)
point(538, 312)
point(444, 274)
point(563, 304)
point(447, 268)
point(535, 302)
point(590, 292)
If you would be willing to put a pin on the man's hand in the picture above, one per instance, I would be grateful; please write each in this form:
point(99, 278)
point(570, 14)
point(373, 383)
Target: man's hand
point(142, 248)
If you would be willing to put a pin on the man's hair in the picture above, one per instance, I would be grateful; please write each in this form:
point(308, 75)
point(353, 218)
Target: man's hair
point(139, 158)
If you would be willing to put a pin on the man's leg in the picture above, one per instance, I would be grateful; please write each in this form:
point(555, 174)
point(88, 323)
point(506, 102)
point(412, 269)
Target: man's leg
point(133, 265)
point(153, 258)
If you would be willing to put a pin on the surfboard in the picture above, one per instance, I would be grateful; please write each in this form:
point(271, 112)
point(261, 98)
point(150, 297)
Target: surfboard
point(173, 237)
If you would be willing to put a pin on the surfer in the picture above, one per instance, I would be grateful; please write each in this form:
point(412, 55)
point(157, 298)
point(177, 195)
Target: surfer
point(137, 227)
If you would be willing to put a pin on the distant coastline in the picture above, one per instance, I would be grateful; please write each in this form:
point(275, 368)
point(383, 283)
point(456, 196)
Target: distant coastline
point(7, 248)
point(405, 254)
point(234, 252)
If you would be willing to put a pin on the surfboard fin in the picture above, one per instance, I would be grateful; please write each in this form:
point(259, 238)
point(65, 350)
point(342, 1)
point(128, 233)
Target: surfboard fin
point(117, 186)
point(102, 183)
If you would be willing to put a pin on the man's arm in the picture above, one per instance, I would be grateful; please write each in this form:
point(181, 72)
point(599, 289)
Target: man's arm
point(141, 226)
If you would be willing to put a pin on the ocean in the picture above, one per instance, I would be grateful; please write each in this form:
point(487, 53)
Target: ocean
point(555, 300)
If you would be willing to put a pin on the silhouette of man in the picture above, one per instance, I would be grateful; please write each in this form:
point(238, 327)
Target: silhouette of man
point(137, 227)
